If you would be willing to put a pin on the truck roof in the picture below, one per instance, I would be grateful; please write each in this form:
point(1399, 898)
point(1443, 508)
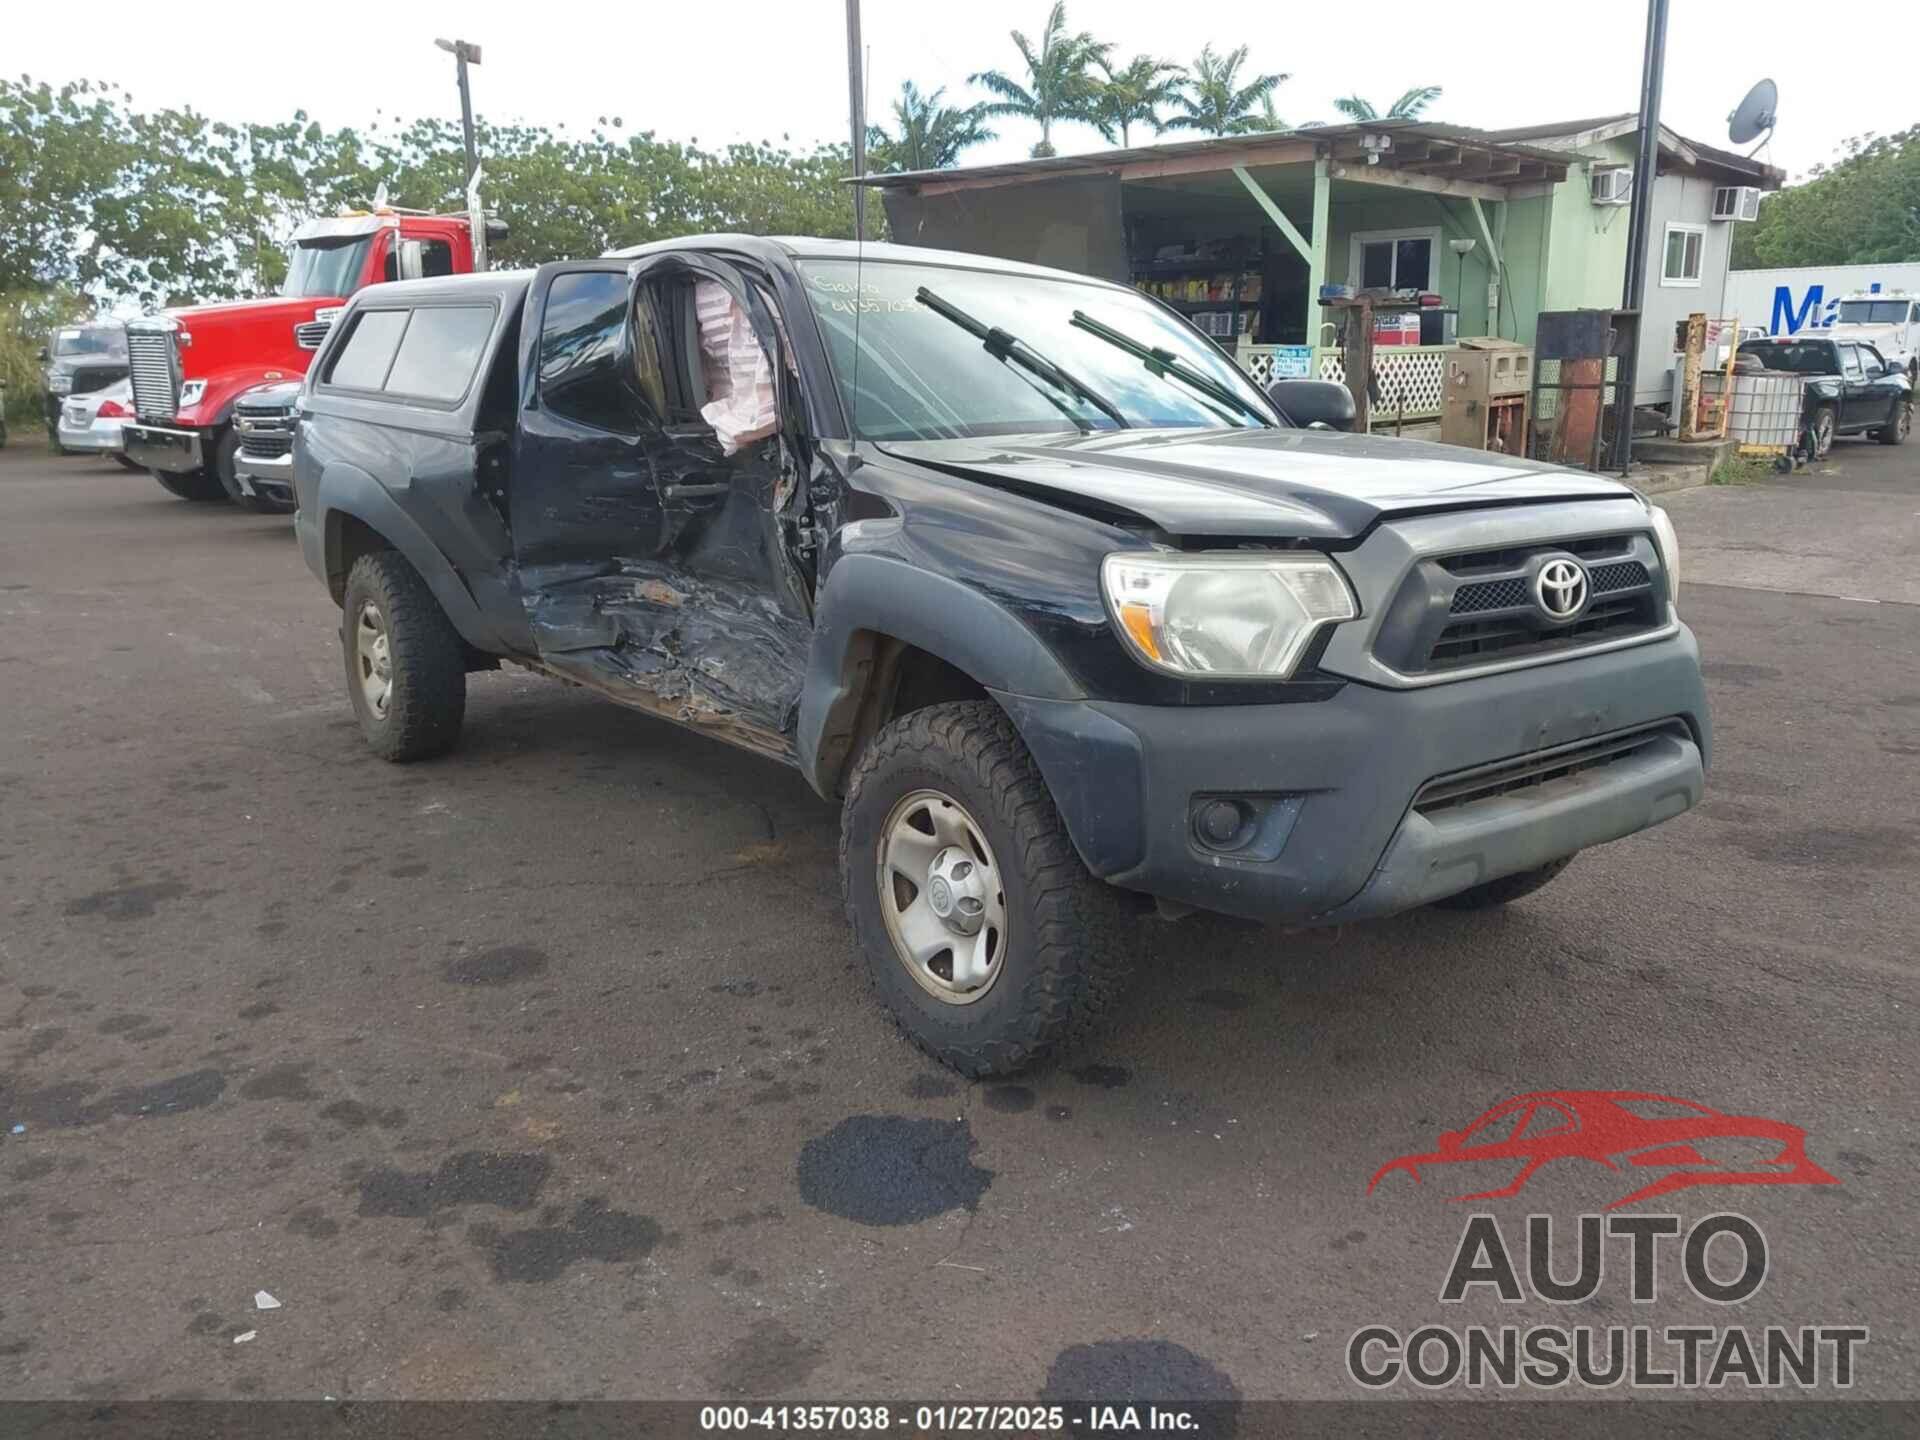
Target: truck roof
point(488, 284)
point(808, 247)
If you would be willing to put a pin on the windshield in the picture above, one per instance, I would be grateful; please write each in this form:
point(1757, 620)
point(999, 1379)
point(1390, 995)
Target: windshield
point(923, 374)
point(1802, 357)
point(327, 267)
point(68, 344)
point(1873, 312)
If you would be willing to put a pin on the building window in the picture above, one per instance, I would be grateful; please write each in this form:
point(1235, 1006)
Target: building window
point(1393, 259)
point(1682, 263)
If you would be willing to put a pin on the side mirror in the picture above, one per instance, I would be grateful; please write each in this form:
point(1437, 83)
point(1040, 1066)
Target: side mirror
point(413, 263)
point(1310, 403)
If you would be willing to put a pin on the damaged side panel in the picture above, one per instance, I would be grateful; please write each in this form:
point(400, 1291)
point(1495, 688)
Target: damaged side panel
point(653, 567)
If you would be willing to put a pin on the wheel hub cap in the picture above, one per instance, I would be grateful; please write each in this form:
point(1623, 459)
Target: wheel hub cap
point(942, 897)
point(373, 658)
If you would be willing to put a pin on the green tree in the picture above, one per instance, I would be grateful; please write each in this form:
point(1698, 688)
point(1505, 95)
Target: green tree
point(169, 207)
point(1134, 95)
point(1410, 106)
point(1863, 209)
point(930, 135)
point(1059, 82)
point(1214, 100)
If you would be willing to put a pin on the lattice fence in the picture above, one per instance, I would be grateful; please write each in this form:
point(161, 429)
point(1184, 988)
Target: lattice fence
point(1417, 369)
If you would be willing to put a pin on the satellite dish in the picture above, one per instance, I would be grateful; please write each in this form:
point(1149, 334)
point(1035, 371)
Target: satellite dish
point(1754, 115)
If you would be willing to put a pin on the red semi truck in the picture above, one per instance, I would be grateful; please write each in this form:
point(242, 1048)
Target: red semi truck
point(190, 365)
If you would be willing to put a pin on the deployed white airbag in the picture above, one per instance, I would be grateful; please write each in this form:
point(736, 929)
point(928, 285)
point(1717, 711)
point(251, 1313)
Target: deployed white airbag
point(742, 407)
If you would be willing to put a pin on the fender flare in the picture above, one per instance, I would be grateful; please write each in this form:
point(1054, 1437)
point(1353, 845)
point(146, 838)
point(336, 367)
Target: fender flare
point(347, 491)
point(873, 595)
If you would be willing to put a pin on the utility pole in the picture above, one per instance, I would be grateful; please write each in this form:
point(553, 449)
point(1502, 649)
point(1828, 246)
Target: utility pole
point(464, 55)
point(1640, 221)
point(856, 111)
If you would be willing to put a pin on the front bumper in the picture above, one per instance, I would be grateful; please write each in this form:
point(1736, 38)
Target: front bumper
point(267, 477)
point(1342, 775)
point(102, 437)
point(159, 448)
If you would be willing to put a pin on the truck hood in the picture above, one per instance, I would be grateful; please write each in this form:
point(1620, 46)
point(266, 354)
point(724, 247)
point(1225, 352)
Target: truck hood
point(1305, 484)
point(294, 307)
point(1884, 338)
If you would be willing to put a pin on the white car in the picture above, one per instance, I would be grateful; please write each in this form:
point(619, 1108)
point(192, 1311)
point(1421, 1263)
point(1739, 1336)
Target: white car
point(91, 423)
point(1888, 320)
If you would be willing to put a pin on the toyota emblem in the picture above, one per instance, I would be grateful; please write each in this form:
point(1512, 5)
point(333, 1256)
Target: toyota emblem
point(1560, 589)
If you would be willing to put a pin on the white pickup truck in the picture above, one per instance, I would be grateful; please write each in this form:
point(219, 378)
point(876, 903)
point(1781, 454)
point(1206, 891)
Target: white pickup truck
point(1888, 320)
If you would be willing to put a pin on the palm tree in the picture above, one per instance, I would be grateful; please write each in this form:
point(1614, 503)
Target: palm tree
point(1134, 95)
point(1214, 99)
point(1407, 107)
point(931, 135)
point(1059, 83)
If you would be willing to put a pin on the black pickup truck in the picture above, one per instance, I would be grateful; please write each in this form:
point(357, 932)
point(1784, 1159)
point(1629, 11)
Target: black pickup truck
point(1071, 619)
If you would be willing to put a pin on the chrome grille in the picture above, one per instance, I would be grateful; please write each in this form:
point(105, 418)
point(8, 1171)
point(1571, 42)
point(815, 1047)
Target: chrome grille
point(151, 364)
point(265, 435)
point(312, 334)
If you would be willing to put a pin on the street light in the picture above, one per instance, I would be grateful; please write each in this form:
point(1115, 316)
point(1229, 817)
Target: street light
point(464, 54)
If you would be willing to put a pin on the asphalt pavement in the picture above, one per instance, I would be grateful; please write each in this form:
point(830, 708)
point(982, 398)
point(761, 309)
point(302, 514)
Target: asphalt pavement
point(547, 1070)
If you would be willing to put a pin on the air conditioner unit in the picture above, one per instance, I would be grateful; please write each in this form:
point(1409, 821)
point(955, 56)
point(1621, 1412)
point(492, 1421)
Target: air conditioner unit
point(1612, 187)
point(1736, 202)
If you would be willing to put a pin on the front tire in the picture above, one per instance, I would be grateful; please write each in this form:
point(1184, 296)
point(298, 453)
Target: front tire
point(406, 664)
point(1505, 890)
point(1894, 432)
point(195, 485)
point(947, 805)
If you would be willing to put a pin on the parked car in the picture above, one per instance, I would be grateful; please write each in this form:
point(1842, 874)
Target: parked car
point(77, 360)
point(1851, 388)
point(91, 423)
point(1017, 568)
point(263, 461)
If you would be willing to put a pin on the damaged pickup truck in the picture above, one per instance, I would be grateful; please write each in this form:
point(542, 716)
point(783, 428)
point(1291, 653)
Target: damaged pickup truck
point(1071, 619)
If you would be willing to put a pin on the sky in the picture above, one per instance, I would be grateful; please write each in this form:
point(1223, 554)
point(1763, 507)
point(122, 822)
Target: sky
point(768, 69)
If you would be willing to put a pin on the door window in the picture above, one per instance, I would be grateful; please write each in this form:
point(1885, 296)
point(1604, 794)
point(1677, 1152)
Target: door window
point(1850, 362)
point(579, 360)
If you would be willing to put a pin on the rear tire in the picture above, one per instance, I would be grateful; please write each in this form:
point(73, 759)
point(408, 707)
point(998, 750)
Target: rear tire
point(393, 631)
point(1069, 938)
point(1820, 431)
point(195, 485)
point(1505, 890)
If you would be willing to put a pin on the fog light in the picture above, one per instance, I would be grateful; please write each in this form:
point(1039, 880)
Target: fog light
point(1243, 827)
point(1220, 821)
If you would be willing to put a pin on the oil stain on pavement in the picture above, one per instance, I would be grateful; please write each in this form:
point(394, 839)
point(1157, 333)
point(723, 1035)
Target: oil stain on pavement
point(1130, 1372)
point(891, 1170)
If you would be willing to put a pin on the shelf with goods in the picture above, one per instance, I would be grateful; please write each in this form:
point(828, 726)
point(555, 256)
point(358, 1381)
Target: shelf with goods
point(1221, 299)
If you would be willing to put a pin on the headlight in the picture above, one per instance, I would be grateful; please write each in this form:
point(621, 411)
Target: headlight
point(191, 393)
point(1669, 544)
point(1233, 616)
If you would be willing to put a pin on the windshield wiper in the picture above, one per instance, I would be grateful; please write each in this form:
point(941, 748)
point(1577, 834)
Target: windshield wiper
point(1165, 362)
point(1011, 349)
